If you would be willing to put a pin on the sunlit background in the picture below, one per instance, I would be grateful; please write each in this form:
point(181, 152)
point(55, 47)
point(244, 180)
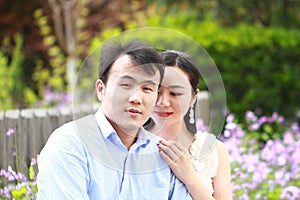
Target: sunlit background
point(255, 45)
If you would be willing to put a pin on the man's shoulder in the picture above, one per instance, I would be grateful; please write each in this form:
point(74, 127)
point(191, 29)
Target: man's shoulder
point(150, 136)
point(86, 121)
point(69, 130)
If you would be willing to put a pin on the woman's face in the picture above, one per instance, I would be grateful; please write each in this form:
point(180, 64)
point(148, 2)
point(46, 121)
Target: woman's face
point(174, 97)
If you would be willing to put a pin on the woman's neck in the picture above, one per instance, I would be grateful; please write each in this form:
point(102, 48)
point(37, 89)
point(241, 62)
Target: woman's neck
point(176, 131)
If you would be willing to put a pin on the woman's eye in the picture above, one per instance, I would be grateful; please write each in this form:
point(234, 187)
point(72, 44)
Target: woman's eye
point(175, 94)
point(148, 89)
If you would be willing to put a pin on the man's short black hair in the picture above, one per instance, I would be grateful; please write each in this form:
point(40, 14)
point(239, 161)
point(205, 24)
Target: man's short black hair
point(140, 53)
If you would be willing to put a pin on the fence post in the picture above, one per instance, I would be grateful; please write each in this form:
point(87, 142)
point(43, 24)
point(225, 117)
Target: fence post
point(9, 143)
point(65, 115)
point(2, 136)
point(25, 138)
point(42, 128)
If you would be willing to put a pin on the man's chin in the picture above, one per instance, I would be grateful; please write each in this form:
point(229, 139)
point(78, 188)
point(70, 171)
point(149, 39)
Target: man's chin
point(130, 128)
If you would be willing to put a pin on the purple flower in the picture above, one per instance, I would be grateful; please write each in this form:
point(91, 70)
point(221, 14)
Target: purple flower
point(253, 127)
point(227, 133)
point(274, 117)
point(21, 176)
point(230, 118)
point(33, 161)
point(290, 192)
point(296, 155)
point(263, 120)
point(2, 172)
point(281, 119)
point(267, 152)
point(250, 116)
point(288, 138)
point(11, 131)
point(281, 160)
point(230, 126)
point(295, 128)
point(6, 192)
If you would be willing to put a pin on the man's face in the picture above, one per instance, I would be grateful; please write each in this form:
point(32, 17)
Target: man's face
point(128, 96)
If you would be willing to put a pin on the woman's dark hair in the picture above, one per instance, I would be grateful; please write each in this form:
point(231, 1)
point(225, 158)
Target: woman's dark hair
point(140, 53)
point(187, 64)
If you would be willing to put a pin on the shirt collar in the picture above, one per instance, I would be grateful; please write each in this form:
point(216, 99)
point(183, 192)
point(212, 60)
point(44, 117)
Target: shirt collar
point(104, 125)
point(143, 137)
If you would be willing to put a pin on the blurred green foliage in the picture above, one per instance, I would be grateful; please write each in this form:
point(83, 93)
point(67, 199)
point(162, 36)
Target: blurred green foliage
point(280, 13)
point(14, 92)
point(55, 76)
point(260, 66)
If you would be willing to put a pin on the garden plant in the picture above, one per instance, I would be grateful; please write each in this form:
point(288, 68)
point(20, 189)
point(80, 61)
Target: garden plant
point(264, 153)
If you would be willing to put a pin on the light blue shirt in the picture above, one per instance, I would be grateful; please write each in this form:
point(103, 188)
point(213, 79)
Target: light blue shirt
point(85, 159)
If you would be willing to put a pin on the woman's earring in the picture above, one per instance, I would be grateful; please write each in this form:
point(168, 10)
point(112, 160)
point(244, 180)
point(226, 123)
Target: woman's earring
point(191, 115)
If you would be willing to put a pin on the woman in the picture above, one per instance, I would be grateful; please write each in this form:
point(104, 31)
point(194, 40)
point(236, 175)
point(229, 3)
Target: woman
point(199, 160)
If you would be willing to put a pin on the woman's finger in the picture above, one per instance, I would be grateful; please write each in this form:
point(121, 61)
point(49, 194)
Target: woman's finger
point(165, 157)
point(168, 151)
point(176, 147)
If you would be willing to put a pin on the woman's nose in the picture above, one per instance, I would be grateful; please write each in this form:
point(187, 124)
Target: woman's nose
point(163, 100)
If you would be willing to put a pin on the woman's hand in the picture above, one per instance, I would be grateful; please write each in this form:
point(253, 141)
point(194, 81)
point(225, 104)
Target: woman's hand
point(178, 158)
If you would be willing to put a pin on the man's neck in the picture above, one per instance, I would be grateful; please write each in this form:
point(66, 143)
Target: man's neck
point(127, 139)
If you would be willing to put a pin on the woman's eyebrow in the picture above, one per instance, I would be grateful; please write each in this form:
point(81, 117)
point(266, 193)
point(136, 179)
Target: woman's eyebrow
point(150, 82)
point(176, 86)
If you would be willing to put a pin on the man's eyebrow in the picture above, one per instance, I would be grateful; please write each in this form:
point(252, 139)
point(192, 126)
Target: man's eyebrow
point(133, 79)
point(127, 77)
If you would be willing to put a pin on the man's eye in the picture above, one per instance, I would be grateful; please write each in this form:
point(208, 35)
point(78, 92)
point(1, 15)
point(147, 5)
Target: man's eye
point(124, 85)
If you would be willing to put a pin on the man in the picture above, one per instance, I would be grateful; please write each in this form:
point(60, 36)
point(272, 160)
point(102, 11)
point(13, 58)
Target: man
point(109, 155)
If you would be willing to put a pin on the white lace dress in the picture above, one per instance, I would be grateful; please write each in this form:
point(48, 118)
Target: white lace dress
point(204, 157)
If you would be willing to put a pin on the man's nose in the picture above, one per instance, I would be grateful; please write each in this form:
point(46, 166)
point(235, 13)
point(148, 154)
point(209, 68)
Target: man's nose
point(136, 96)
point(163, 100)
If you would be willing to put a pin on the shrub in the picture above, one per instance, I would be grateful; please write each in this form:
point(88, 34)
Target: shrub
point(259, 65)
point(12, 83)
point(269, 171)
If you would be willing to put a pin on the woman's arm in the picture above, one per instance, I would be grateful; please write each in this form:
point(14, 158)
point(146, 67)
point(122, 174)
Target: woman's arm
point(180, 162)
point(222, 181)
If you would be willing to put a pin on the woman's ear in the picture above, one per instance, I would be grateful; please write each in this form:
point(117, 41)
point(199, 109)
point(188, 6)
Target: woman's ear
point(100, 89)
point(194, 99)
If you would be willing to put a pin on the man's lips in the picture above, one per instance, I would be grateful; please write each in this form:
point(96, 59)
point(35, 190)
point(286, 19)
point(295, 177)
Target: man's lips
point(163, 114)
point(134, 112)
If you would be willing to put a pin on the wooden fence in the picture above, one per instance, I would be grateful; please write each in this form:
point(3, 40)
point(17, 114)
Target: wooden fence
point(31, 128)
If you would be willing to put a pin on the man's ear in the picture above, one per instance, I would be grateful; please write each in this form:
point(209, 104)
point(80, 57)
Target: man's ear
point(100, 89)
point(194, 99)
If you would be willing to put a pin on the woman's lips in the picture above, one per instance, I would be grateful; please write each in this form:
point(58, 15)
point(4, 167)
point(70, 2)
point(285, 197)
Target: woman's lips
point(163, 114)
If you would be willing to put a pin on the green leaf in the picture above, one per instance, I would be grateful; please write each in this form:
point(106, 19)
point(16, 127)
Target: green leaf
point(18, 193)
point(267, 128)
point(31, 173)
